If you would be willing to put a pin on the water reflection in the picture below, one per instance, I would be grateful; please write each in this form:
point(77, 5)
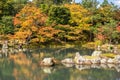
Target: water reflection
point(23, 65)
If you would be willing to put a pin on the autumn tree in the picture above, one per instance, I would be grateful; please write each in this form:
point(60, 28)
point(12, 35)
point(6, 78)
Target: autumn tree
point(79, 16)
point(30, 25)
point(80, 21)
point(28, 21)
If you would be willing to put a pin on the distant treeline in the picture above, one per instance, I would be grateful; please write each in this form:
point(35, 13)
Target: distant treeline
point(59, 21)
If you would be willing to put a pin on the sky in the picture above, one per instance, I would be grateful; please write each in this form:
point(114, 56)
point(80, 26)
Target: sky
point(116, 2)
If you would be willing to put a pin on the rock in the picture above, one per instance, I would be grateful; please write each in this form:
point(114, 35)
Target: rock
point(78, 58)
point(96, 53)
point(117, 57)
point(55, 61)
point(87, 62)
point(68, 61)
point(115, 50)
point(77, 55)
point(95, 61)
point(98, 47)
point(47, 62)
point(103, 61)
point(110, 61)
point(116, 62)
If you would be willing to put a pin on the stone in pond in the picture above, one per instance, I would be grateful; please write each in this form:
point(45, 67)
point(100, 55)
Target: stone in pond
point(47, 62)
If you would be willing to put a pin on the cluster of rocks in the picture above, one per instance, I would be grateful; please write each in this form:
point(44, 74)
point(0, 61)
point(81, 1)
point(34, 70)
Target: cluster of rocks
point(95, 58)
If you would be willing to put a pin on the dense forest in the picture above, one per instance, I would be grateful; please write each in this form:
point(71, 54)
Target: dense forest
point(59, 21)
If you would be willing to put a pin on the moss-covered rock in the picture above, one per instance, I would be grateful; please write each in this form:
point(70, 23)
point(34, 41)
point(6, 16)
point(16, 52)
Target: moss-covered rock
point(108, 55)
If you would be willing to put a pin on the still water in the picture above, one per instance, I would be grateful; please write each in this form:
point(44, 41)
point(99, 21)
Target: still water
point(24, 65)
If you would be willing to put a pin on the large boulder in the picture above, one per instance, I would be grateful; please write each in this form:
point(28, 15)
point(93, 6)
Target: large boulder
point(87, 62)
point(93, 59)
point(79, 59)
point(96, 53)
point(103, 61)
point(117, 59)
point(96, 60)
point(110, 61)
point(47, 62)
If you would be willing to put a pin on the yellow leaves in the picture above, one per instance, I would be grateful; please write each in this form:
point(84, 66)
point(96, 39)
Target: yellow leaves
point(79, 16)
point(75, 8)
point(33, 28)
point(48, 31)
point(22, 35)
point(30, 16)
point(29, 19)
point(25, 24)
point(35, 40)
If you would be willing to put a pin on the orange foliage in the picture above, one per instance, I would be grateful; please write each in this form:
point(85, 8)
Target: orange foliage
point(100, 37)
point(30, 18)
point(118, 28)
point(22, 35)
point(47, 33)
point(20, 59)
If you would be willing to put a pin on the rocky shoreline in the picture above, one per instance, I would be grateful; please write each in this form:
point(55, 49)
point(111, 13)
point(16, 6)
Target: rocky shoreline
point(95, 58)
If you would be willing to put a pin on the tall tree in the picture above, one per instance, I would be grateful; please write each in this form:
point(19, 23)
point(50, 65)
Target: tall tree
point(28, 21)
point(89, 3)
point(105, 3)
point(19, 4)
point(50, 2)
point(60, 15)
point(6, 25)
point(6, 8)
point(79, 16)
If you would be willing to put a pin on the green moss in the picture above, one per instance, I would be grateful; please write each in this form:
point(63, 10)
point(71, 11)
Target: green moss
point(90, 57)
point(109, 55)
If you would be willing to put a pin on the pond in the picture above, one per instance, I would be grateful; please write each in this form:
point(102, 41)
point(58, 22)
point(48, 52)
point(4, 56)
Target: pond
point(24, 65)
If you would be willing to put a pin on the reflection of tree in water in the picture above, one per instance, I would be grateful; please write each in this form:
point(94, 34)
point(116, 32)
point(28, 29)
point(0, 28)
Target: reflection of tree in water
point(22, 66)
point(93, 74)
point(62, 52)
point(60, 74)
point(6, 69)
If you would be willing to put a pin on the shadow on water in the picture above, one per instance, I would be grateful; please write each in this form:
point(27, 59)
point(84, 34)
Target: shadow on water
point(23, 65)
